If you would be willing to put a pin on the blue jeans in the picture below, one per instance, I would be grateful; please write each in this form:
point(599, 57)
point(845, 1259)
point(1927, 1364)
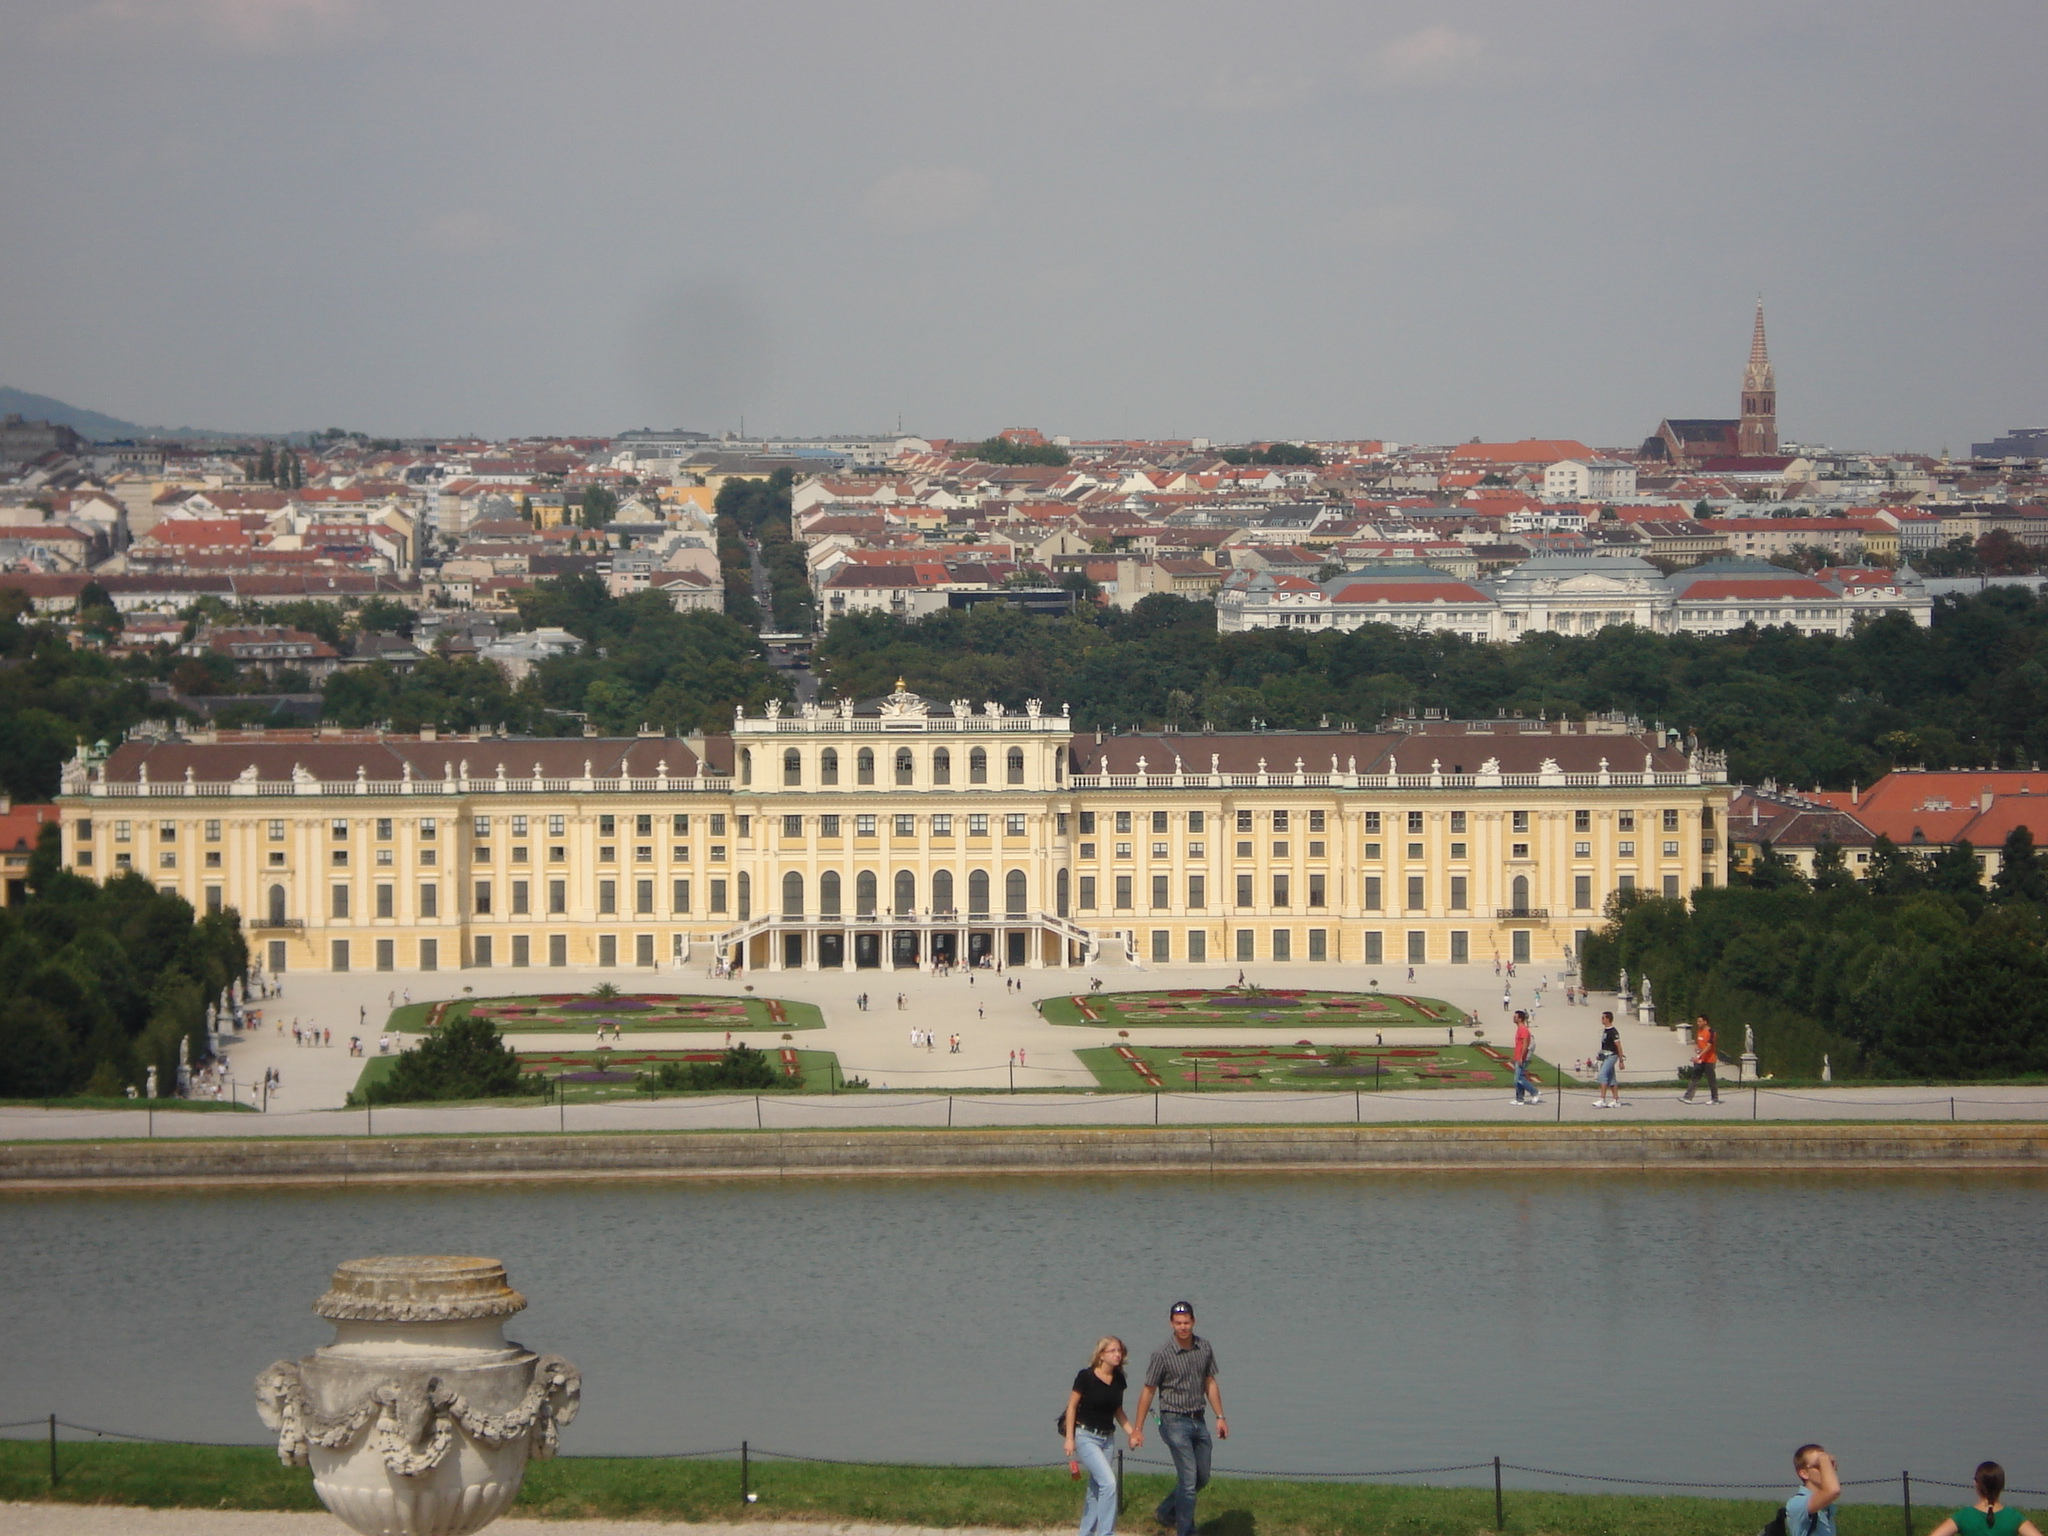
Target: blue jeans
point(1525, 1086)
point(1187, 1442)
point(1098, 1514)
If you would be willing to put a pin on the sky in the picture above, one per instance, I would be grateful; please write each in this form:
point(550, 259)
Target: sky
point(1356, 219)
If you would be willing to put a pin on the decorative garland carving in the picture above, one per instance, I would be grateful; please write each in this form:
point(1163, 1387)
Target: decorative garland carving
point(416, 1417)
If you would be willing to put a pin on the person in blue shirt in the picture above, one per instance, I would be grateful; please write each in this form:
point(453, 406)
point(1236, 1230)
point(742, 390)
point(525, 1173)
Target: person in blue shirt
point(1811, 1511)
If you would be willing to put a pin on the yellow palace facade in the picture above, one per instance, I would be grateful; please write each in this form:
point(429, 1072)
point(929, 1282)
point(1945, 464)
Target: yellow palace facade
point(899, 832)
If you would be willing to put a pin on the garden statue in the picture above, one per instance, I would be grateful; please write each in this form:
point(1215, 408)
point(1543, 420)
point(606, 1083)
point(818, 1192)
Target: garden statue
point(419, 1418)
point(1827, 1070)
point(152, 1082)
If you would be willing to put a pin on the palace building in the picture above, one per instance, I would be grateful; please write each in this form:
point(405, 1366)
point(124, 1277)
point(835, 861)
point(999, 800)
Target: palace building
point(895, 832)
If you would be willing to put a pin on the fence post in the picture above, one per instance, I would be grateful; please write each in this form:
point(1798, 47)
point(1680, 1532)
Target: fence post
point(1752, 1100)
point(1119, 1482)
point(757, 1112)
point(53, 1450)
point(949, 1111)
point(1500, 1518)
point(1906, 1492)
point(746, 1493)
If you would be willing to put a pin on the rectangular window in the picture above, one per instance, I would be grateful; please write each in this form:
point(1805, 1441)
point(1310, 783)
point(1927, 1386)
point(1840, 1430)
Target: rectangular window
point(1318, 890)
point(121, 834)
point(1415, 894)
point(1625, 882)
point(1162, 946)
point(519, 826)
point(1198, 892)
point(1671, 821)
point(1059, 822)
point(387, 955)
point(1671, 887)
point(482, 893)
point(1087, 850)
point(1671, 850)
point(558, 949)
point(1244, 945)
point(1283, 944)
point(213, 831)
point(339, 830)
point(1518, 821)
point(1625, 821)
point(1461, 947)
point(643, 898)
point(430, 954)
point(1159, 821)
point(1123, 893)
point(480, 826)
point(1244, 821)
point(977, 825)
point(1582, 892)
point(1460, 893)
point(427, 827)
point(1319, 943)
point(607, 826)
point(906, 826)
point(557, 825)
point(1457, 850)
point(1279, 850)
point(1414, 821)
point(385, 898)
point(1518, 850)
point(1375, 947)
point(942, 826)
point(678, 824)
point(338, 906)
point(430, 901)
point(1195, 821)
point(1318, 850)
point(1162, 895)
point(427, 855)
point(1372, 850)
point(1316, 822)
point(1123, 821)
point(793, 828)
point(1582, 850)
point(1415, 850)
point(1244, 890)
point(1519, 946)
point(383, 829)
point(338, 955)
point(1087, 823)
point(558, 897)
point(168, 859)
point(679, 896)
point(1372, 821)
point(522, 951)
point(607, 853)
point(718, 823)
point(643, 951)
point(481, 854)
point(718, 895)
point(1373, 902)
point(863, 826)
point(1418, 947)
point(1087, 893)
point(1280, 891)
point(1582, 821)
point(1198, 946)
point(828, 826)
point(1457, 823)
point(1279, 821)
point(213, 899)
point(643, 826)
point(480, 952)
point(607, 949)
point(1626, 848)
point(1013, 824)
point(519, 898)
point(520, 853)
point(607, 897)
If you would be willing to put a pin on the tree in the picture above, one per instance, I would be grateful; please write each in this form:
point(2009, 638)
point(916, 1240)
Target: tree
point(462, 1059)
point(1772, 871)
point(1004, 450)
point(2020, 876)
point(1831, 867)
point(1893, 871)
point(740, 1067)
point(600, 504)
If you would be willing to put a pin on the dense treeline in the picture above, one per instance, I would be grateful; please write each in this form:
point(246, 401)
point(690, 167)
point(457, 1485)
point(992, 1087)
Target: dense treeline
point(760, 510)
point(1913, 971)
point(1970, 692)
point(52, 695)
point(103, 981)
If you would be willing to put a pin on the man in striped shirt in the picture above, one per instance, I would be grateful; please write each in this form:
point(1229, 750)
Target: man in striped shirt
point(1183, 1375)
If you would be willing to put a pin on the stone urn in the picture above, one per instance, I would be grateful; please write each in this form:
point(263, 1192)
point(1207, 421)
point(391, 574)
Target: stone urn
point(418, 1419)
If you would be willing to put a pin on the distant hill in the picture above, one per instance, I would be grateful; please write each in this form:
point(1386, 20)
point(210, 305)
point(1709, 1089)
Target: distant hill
point(88, 424)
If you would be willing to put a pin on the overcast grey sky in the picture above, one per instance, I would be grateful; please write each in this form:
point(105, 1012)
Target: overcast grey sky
point(1415, 221)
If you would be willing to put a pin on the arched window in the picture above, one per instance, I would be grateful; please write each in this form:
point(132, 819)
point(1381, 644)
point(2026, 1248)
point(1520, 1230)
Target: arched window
point(864, 893)
point(977, 893)
point(942, 767)
point(1013, 893)
point(942, 891)
point(746, 897)
point(1059, 765)
point(746, 765)
point(792, 894)
point(906, 893)
point(828, 893)
point(1059, 886)
point(906, 766)
point(864, 766)
point(277, 904)
point(977, 766)
point(1016, 765)
point(792, 767)
point(1521, 893)
point(828, 766)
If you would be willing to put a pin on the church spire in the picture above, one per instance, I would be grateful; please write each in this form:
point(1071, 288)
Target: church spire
point(1757, 435)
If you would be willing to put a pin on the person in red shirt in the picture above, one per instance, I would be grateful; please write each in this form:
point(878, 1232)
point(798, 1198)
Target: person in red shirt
point(1526, 1091)
point(1704, 1059)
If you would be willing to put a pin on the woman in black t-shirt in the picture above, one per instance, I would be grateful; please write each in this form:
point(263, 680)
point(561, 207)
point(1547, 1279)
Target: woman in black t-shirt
point(1095, 1407)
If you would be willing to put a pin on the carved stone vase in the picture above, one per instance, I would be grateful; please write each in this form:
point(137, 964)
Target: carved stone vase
point(419, 1418)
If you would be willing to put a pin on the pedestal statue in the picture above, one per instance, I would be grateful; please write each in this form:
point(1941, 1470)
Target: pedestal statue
point(419, 1418)
point(1749, 1052)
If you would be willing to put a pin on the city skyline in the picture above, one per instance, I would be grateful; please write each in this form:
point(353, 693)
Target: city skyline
point(1396, 221)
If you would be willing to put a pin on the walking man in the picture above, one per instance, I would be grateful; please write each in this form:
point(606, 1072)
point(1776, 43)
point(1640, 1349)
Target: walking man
point(1704, 1058)
point(1183, 1375)
point(1610, 1064)
point(1526, 1091)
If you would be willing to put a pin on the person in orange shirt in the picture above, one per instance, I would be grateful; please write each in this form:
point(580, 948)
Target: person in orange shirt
point(1704, 1059)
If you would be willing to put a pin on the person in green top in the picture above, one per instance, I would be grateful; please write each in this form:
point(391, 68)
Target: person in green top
point(1987, 1517)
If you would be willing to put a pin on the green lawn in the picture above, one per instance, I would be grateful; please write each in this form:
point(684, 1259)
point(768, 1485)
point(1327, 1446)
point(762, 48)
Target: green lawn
point(574, 1072)
point(931, 1497)
point(633, 1012)
point(1142, 1066)
point(1232, 1008)
point(179, 1106)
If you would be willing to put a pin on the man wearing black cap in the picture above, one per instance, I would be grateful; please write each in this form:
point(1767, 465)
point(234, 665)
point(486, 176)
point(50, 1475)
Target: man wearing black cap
point(1183, 1374)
